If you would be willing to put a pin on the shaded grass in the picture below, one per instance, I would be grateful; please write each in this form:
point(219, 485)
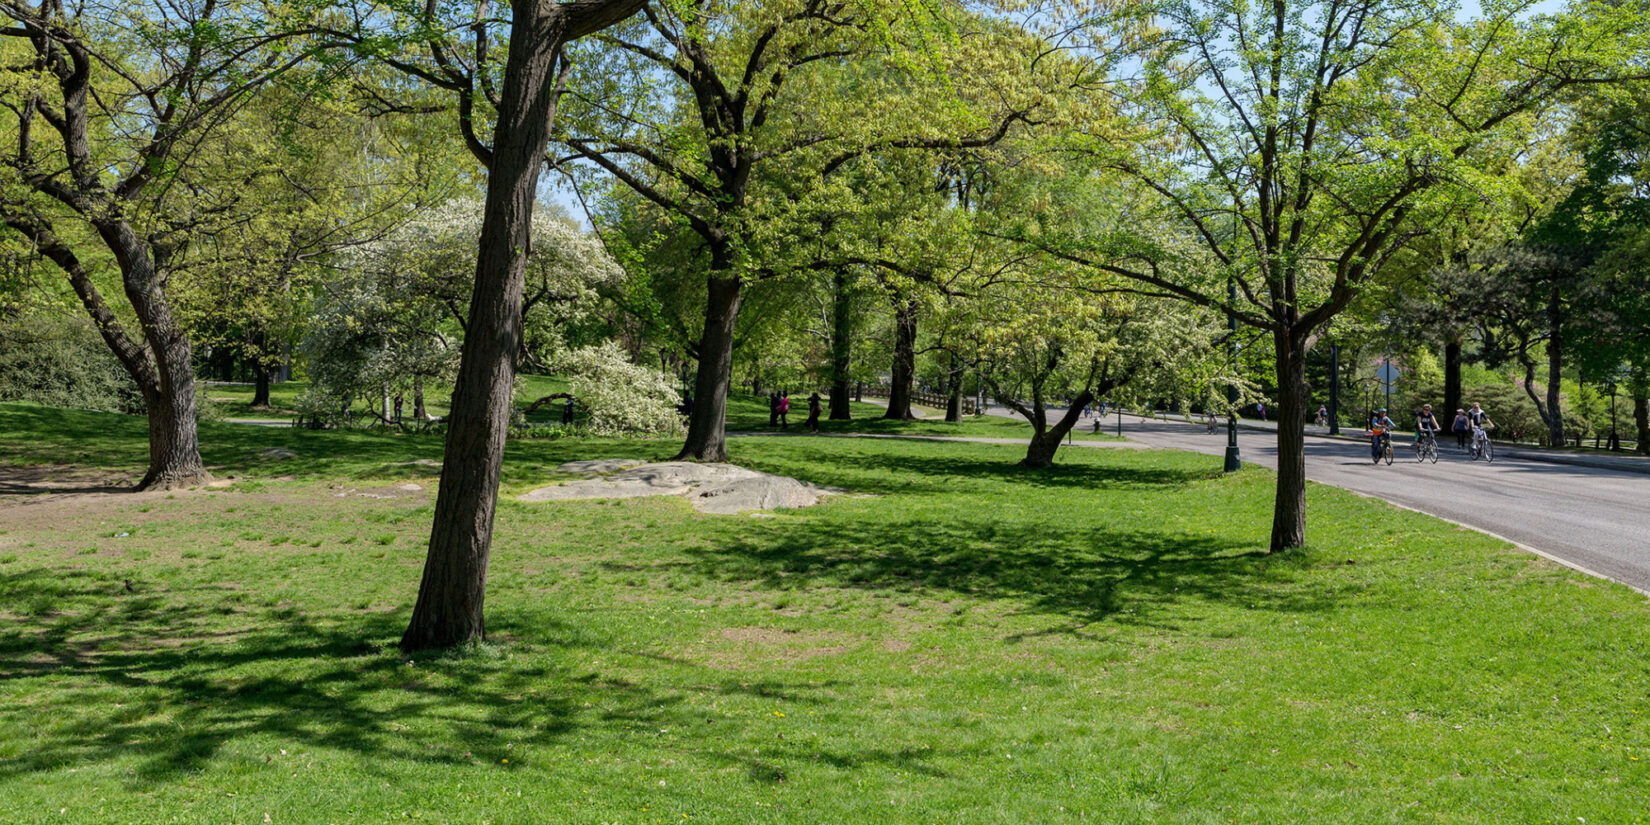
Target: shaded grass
point(1104, 641)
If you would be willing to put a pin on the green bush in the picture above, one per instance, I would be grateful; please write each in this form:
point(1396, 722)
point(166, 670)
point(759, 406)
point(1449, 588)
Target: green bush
point(61, 361)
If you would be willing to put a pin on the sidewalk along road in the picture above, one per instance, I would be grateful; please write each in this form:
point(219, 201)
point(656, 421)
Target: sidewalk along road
point(1595, 519)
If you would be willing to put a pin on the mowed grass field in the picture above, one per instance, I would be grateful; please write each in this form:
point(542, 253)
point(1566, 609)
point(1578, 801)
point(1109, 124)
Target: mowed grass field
point(954, 641)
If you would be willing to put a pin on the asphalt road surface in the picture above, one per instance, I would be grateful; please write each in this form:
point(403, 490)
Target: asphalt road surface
point(1596, 520)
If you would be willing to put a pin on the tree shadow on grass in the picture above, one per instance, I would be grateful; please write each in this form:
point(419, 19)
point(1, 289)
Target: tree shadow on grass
point(172, 684)
point(1080, 575)
point(941, 467)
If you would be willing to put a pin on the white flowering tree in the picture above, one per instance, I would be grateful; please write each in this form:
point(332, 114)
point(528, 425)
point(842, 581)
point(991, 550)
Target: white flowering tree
point(393, 320)
point(622, 397)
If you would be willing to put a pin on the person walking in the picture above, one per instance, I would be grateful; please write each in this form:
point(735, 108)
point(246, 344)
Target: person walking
point(1260, 407)
point(567, 411)
point(1461, 429)
point(773, 408)
point(784, 411)
point(813, 413)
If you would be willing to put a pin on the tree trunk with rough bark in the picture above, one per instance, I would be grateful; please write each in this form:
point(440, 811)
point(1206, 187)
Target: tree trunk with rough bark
point(953, 398)
point(707, 436)
point(905, 362)
point(1452, 375)
point(260, 385)
point(1289, 506)
point(449, 610)
point(1045, 440)
point(174, 442)
point(841, 347)
point(1554, 415)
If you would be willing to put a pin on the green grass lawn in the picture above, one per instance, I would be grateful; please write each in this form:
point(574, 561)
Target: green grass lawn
point(1105, 641)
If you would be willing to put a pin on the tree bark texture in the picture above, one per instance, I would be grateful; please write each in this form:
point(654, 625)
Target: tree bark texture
point(953, 395)
point(174, 442)
point(260, 385)
point(707, 435)
point(905, 362)
point(1045, 440)
point(841, 347)
point(1289, 506)
point(1555, 367)
point(451, 595)
point(1452, 375)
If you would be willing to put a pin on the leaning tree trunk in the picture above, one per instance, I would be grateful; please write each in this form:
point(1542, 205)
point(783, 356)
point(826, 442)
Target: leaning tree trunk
point(154, 365)
point(841, 347)
point(451, 595)
point(1289, 506)
point(905, 362)
point(707, 436)
point(174, 442)
point(1452, 375)
point(1045, 440)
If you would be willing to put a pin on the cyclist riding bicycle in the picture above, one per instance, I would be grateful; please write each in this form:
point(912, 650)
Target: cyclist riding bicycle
point(1425, 423)
point(1380, 428)
point(1480, 422)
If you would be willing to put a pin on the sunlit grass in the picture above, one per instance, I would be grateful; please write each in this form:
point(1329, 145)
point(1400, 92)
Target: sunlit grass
point(956, 641)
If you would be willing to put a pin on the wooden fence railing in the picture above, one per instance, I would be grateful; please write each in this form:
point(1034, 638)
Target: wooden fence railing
point(927, 399)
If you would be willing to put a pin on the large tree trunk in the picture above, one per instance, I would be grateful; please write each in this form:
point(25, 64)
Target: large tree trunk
point(905, 361)
point(451, 594)
point(1452, 375)
point(419, 412)
point(841, 346)
point(953, 398)
point(1554, 415)
point(707, 437)
point(260, 385)
point(174, 443)
point(168, 391)
point(1045, 441)
point(1289, 506)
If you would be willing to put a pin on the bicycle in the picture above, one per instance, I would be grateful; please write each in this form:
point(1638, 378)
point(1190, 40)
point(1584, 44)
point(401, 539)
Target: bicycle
point(1426, 447)
point(1481, 446)
point(1385, 451)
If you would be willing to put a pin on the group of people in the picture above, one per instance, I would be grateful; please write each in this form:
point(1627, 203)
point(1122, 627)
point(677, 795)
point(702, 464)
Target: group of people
point(1426, 425)
point(779, 410)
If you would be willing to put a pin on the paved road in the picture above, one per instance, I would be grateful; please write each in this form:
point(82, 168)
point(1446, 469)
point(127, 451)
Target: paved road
point(1593, 519)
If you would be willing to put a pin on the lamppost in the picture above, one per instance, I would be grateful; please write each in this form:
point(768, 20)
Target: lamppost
point(1234, 462)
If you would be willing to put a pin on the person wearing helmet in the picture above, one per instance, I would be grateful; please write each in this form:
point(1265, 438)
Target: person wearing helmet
point(1380, 429)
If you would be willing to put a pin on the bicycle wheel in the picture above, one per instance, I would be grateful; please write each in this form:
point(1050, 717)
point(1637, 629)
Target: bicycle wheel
point(1387, 454)
point(1420, 451)
point(1489, 452)
point(1432, 452)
